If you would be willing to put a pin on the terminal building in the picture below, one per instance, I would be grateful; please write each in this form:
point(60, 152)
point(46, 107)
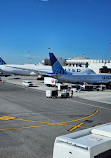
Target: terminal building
point(99, 66)
point(46, 61)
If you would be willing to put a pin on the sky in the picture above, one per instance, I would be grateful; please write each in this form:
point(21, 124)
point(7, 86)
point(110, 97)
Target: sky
point(71, 28)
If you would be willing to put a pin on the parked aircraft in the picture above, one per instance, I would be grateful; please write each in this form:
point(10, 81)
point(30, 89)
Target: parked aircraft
point(6, 71)
point(32, 69)
point(64, 76)
point(2, 62)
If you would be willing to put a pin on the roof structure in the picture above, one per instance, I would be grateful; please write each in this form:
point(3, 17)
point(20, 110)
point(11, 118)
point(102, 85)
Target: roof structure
point(80, 58)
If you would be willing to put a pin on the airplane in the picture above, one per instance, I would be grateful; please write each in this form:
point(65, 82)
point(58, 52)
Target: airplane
point(64, 76)
point(1, 72)
point(2, 62)
point(7, 71)
point(32, 69)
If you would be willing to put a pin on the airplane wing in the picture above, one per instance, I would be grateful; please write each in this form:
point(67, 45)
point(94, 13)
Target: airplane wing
point(38, 72)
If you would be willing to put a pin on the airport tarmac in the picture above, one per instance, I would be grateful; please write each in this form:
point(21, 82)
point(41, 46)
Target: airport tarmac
point(17, 80)
point(29, 122)
point(99, 96)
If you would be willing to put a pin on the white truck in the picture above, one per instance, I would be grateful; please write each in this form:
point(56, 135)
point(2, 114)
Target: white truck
point(49, 81)
point(27, 83)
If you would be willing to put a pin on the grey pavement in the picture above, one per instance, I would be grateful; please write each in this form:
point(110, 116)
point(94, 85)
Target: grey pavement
point(29, 122)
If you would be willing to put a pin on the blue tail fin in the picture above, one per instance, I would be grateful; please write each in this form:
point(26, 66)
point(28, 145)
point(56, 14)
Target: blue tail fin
point(2, 62)
point(56, 66)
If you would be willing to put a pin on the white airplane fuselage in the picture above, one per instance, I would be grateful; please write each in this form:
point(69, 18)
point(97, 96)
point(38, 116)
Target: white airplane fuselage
point(81, 78)
point(15, 71)
point(30, 69)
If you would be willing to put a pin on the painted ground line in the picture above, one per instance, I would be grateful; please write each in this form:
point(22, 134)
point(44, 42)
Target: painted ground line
point(46, 123)
point(101, 107)
point(75, 127)
point(97, 111)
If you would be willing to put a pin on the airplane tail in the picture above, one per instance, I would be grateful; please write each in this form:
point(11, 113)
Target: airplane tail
point(2, 62)
point(56, 66)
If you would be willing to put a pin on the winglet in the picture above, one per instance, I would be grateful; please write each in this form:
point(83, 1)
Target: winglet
point(2, 62)
point(56, 66)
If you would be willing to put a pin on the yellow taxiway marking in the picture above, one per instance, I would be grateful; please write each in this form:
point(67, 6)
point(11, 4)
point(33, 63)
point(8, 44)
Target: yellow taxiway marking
point(83, 117)
point(48, 123)
point(75, 127)
point(7, 118)
point(62, 122)
point(22, 127)
point(72, 129)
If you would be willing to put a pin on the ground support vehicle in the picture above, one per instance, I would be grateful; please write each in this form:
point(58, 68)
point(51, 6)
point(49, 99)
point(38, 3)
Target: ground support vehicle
point(49, 81)
point(51, 93)
point(63, 94)
point(27, 83)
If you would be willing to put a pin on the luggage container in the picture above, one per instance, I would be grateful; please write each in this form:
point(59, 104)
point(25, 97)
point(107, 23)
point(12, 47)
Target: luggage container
point(63, 94)
point(87, 87)
point(101, 87)
point(62, 87)
point(51, 93)
point(89, 143)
